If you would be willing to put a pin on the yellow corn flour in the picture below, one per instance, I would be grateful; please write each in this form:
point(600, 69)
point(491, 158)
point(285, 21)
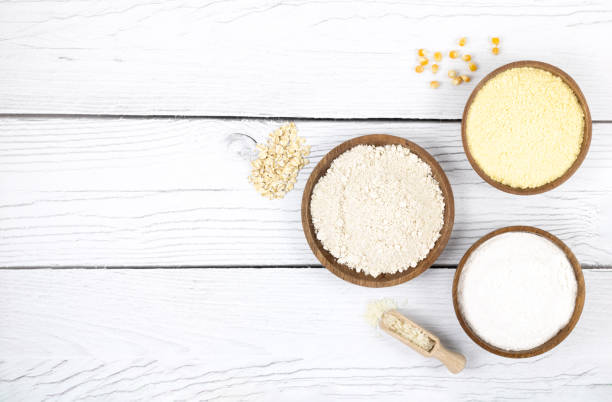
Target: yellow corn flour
point(525, 127)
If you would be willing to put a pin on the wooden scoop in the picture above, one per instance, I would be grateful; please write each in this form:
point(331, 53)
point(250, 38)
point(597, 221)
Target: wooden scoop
point(455, 362)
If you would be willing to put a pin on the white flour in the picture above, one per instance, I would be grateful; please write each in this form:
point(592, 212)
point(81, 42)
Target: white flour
point(517, 290)
point(378, 209)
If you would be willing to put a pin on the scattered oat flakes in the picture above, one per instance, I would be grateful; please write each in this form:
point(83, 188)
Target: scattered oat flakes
point(276, 168)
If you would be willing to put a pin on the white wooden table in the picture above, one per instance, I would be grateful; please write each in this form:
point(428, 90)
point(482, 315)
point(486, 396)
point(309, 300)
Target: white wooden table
point(138, 263)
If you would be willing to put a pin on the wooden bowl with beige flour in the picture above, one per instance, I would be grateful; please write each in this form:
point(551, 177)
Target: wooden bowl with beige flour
point(380, 143)
point(518, 291)
point(526, 127)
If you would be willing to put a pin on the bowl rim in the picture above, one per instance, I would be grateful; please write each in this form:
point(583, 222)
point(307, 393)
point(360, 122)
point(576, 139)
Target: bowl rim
point(563, 332)
point(349, 274)
point(586, 139)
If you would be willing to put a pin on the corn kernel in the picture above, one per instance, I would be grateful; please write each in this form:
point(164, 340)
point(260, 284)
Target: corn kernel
point(453, 54)
point(457, 81)
point(466, 57)
point(465, 78)
point(495, 50)
point(495, 41)
point(434, 68)
point(437, 56)
point(434, 84)
point(462, 42)
point(452, 73)
point(421, 52)
point(419, 69)
point(423, 61)
point(473, 67)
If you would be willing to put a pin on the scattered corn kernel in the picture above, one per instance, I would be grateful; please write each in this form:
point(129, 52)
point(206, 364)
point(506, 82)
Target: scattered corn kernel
point(495, 50)
point(453, 54)
point(495, 41)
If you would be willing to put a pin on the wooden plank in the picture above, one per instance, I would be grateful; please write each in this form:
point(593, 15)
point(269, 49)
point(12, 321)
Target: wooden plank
point(168, 192)
point(265, 334)
point(290, 58)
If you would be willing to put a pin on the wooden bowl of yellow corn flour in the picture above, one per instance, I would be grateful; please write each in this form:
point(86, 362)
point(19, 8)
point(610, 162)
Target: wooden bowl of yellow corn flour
point(526, 127)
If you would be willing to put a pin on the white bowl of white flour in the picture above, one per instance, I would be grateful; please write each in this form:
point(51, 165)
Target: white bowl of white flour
point(518, 291)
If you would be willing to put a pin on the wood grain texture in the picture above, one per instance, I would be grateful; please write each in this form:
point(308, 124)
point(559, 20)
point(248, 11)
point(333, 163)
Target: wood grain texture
point(361, 278)
point(563, 332)
point(283, 58)
point(265, 334)
point(173, 192)
point(586, 134)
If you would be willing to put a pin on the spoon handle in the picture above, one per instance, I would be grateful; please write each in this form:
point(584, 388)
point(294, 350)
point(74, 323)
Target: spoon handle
point(453, 361)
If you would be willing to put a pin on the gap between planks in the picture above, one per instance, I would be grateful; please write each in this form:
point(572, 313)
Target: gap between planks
point(212, 117)
point(170, 267)
point(107, 116)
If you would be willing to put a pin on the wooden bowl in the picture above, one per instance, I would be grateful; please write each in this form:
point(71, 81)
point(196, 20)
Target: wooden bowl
point(330, 262)
point(586, 139)
point(562, 334)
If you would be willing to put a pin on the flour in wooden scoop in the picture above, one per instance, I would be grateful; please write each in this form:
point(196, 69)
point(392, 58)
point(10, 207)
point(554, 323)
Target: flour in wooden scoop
point(378, 209)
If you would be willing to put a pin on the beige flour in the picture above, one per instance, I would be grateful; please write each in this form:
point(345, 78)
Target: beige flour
point(378, 209)
point(375, 309)
point(415, 335)
point(375, 312)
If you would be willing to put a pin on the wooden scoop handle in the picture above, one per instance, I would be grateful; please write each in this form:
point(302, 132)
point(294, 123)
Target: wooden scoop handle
point(453, 361)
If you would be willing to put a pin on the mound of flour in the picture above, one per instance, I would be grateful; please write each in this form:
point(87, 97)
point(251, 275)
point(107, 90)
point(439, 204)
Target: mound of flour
point(378, 209)
point(517, 290)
